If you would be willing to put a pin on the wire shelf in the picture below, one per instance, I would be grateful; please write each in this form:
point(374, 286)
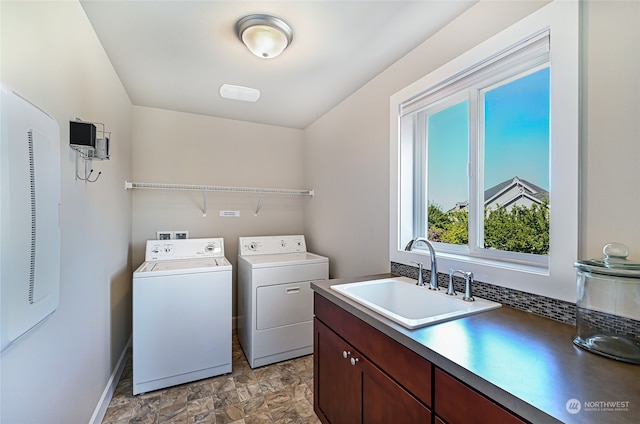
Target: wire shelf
point(128, 185)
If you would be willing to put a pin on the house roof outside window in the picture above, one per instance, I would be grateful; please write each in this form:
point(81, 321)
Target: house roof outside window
point(509, 193)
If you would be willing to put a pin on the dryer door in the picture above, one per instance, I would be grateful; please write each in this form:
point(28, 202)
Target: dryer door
point(283, 304)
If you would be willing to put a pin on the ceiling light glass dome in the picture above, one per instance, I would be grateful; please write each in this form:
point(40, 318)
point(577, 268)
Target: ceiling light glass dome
point(265, 36)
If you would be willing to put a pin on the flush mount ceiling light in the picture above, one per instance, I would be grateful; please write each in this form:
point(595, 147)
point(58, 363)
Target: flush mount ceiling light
point(237, 92)
point(265, 36)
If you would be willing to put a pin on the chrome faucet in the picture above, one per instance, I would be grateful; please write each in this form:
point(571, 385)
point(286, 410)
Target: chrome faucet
point(433, 282)
point(468, 279)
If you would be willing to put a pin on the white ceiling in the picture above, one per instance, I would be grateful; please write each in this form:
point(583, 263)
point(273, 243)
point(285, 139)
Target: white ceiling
point(175, 54)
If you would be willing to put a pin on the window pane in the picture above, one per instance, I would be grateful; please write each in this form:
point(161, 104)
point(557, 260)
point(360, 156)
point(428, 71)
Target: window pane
point(447, 179)
point(516, 165)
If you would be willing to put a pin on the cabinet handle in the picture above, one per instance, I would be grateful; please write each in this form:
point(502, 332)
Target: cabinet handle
point(345, 354)
point(354, 361)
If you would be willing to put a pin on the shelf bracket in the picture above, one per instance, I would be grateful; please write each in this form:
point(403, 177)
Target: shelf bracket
point(258, 204)
point(204, 203)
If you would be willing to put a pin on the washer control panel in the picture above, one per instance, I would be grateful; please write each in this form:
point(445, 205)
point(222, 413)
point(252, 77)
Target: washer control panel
point(271, 245)
point(167, 250)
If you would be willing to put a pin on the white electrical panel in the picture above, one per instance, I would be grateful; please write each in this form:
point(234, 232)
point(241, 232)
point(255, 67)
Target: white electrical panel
point(29, 217)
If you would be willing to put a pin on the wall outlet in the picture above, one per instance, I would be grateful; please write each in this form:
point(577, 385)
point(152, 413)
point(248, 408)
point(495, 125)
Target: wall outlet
point(172, 235)
point(164, 235)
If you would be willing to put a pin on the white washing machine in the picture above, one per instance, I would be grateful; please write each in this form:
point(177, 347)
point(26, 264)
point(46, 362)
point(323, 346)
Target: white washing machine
point(275, 300)
point(181, 313)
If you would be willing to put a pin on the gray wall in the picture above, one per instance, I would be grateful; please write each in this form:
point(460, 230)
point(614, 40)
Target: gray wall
point(58, 371)
point(350, 221)
point(610, 194)
point(183, 148)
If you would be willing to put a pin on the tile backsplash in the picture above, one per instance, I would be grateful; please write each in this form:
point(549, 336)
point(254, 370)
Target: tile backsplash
point(559, 310)
point(547, 307)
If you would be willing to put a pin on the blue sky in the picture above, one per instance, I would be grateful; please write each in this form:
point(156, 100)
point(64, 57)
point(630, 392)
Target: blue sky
point(516, 140)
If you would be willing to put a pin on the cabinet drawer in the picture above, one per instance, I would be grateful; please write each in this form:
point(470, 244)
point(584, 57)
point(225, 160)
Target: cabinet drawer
point(408, 368)
point(456, 403)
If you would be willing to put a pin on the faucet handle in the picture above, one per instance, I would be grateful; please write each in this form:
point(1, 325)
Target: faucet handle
point(468, 279)
point(450, 290)
point(420, 280)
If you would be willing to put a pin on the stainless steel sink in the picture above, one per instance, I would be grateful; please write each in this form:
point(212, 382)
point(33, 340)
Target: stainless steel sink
point(411, 306)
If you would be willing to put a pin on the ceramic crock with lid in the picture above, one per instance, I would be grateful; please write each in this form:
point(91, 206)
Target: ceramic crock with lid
point(608, 305)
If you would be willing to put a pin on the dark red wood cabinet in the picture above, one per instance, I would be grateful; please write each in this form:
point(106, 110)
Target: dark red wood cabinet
point(363, 376)
point(351, 389)
point(350, 386)
point(340, 396)
point(457, 403)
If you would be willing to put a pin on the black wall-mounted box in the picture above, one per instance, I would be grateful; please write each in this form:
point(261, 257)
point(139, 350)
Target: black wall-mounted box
point(82, 134)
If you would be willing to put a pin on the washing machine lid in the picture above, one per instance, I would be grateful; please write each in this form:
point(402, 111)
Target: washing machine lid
point(283, 259)
point(183, 266)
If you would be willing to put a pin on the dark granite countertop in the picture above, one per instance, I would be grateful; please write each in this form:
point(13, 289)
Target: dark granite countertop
point(526, 363)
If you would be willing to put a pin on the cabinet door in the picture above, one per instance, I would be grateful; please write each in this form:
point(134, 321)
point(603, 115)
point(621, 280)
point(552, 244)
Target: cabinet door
point(337, 383)
point(459, 404)
point(407, 368)
point(348, 389)
point(384, 401)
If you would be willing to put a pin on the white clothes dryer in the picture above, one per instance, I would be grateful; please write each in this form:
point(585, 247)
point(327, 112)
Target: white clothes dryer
point(181, 313)
point(275, 300)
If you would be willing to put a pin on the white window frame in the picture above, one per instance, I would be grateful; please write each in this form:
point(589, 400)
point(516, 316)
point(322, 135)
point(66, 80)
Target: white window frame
point(557, 279)
point(475, 169)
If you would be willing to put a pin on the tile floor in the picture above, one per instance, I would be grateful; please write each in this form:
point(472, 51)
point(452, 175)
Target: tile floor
point(277, 393)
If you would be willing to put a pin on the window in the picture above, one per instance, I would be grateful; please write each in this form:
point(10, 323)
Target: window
point(506, 157)
point(484, 158)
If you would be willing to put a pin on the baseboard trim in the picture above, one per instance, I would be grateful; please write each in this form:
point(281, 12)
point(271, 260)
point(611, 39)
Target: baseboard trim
point(109, 390)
